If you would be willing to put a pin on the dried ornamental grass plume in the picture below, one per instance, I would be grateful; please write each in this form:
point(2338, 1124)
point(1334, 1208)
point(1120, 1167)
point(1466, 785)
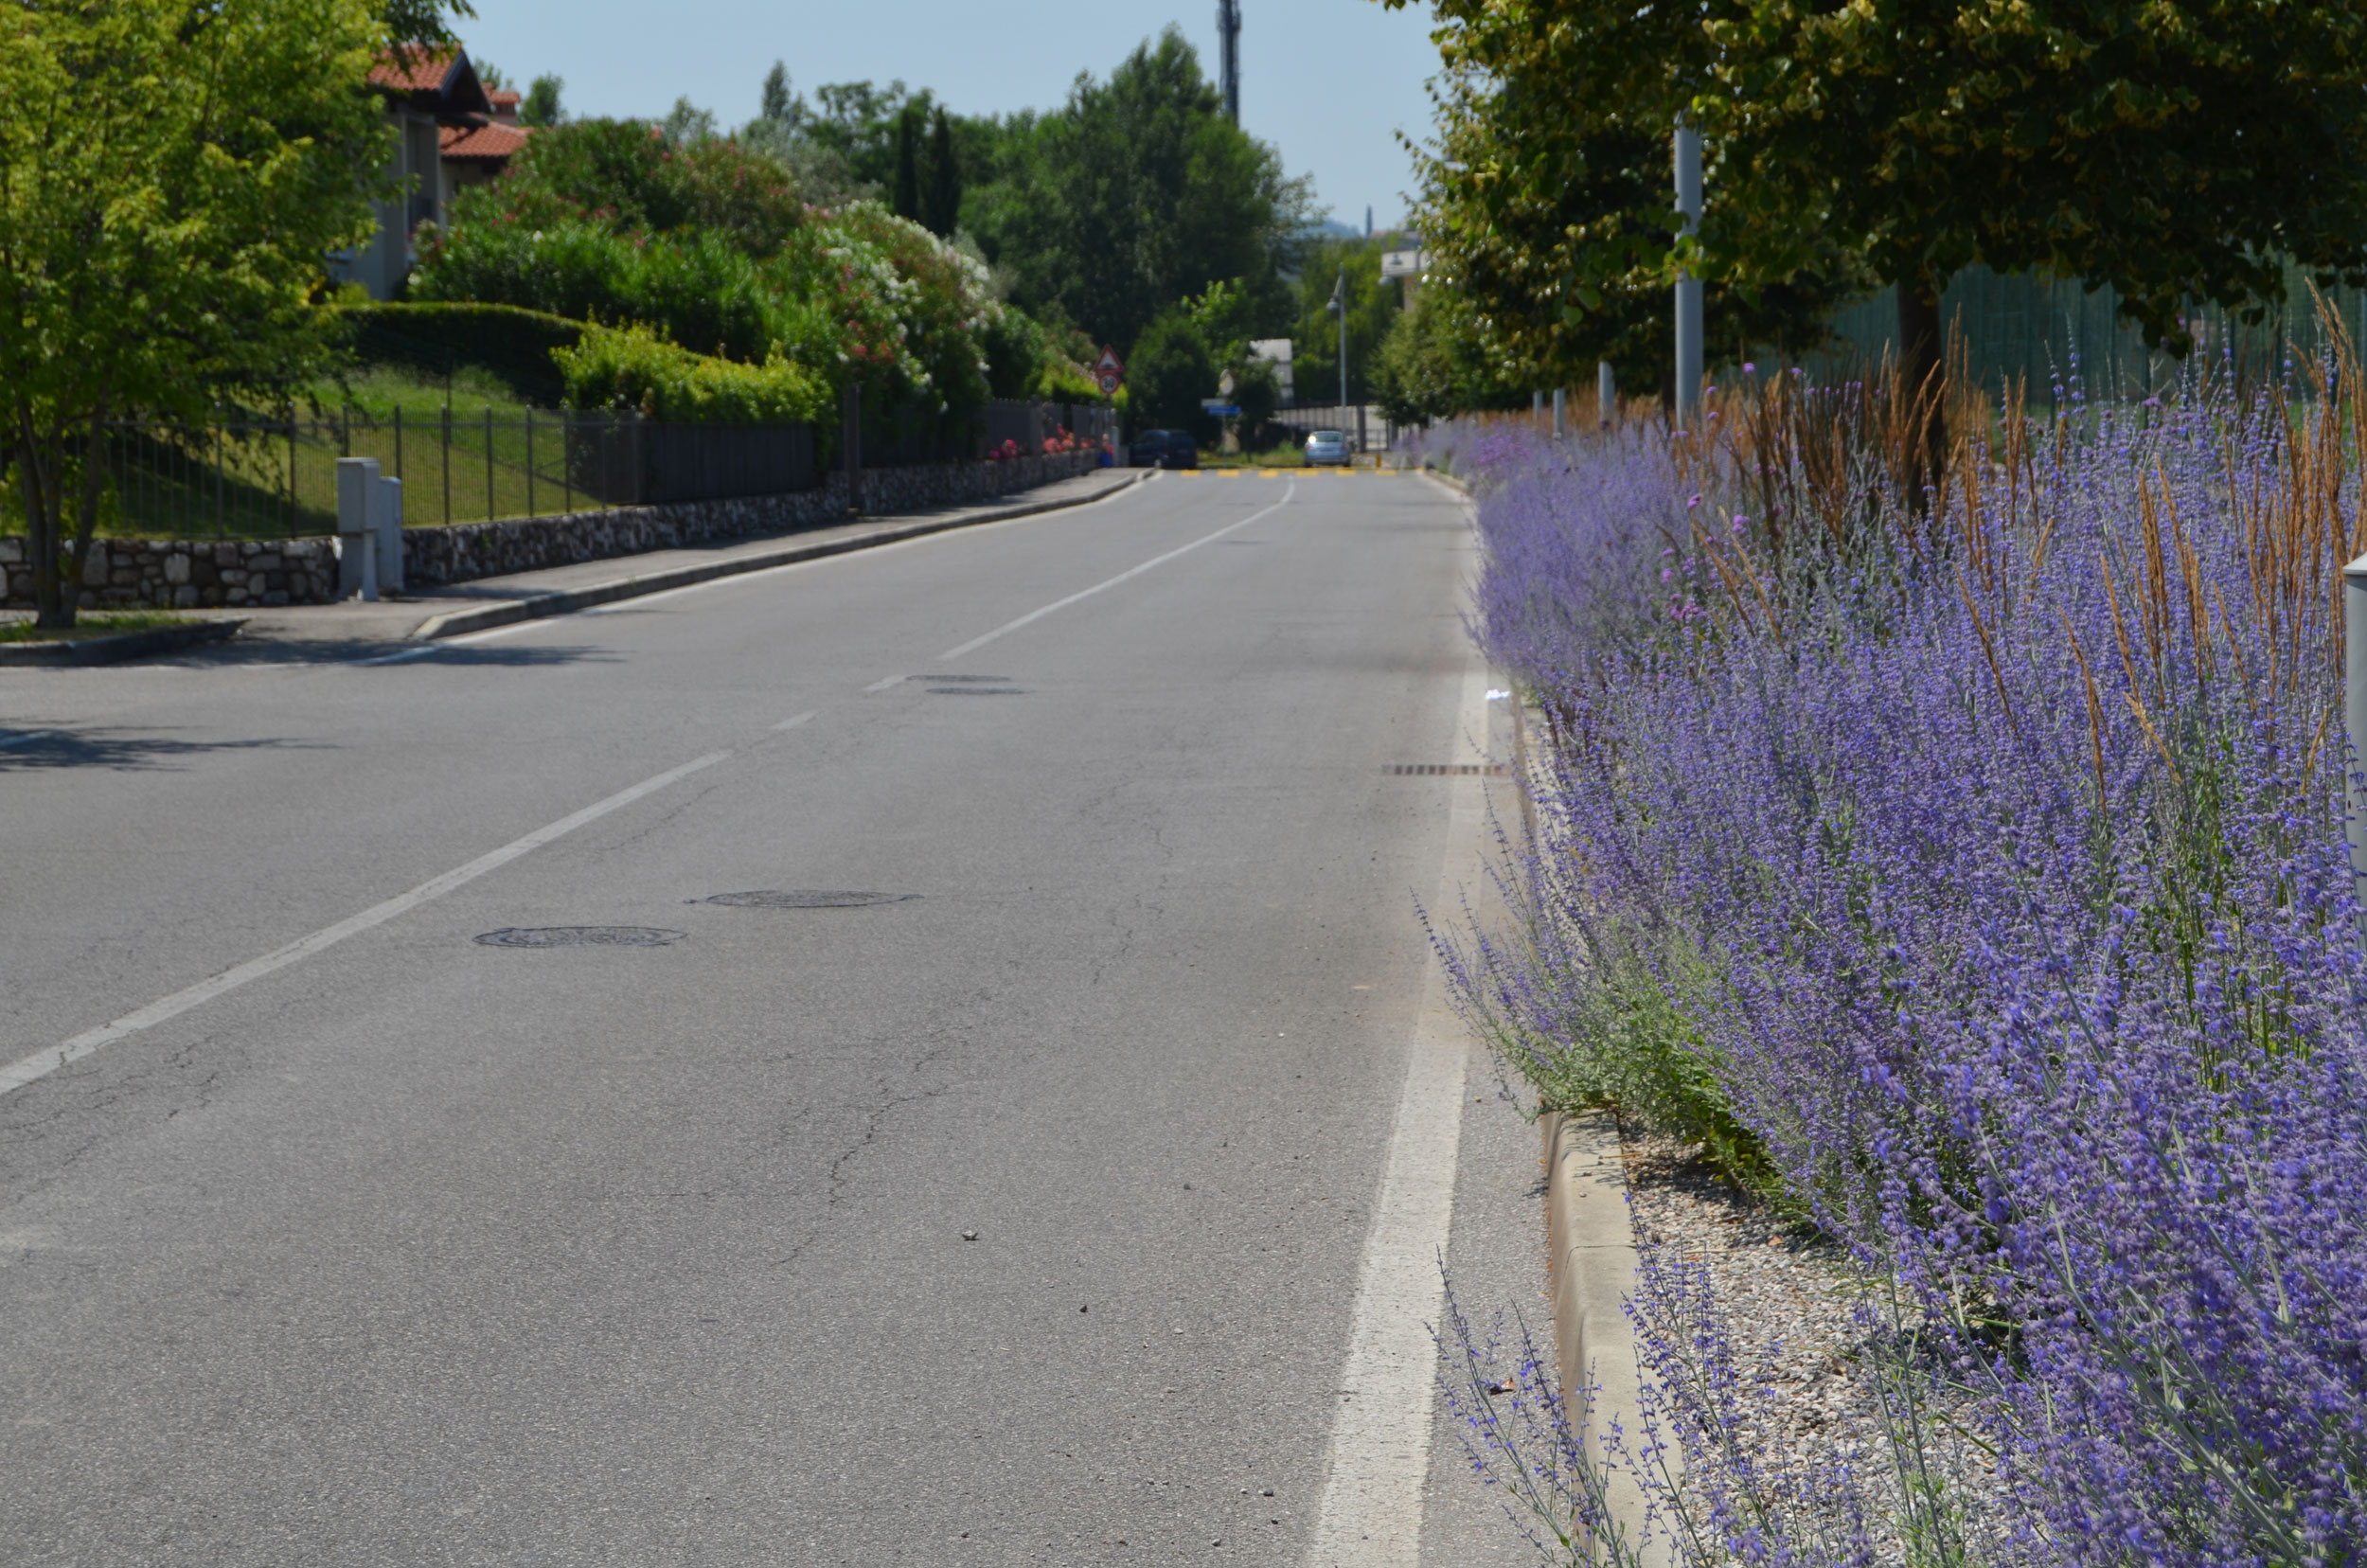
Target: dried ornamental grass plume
point(1969, 867)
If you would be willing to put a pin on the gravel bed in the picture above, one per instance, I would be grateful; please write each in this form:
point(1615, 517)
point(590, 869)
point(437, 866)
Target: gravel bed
point(1789, 1303)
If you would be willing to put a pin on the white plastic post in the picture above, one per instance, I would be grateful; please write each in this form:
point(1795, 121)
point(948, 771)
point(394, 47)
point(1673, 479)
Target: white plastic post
point(386, 531)
point(2354, 712)
point(1605, 394)
point(357, 563)
point(1688, 157)
point(1560, 423)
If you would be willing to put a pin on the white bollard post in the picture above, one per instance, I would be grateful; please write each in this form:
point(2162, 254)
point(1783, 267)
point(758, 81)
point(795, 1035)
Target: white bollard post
point(2355, 713)
point(387, 530)
point(1605, 394)
point(1560, 399)
point(356, 562)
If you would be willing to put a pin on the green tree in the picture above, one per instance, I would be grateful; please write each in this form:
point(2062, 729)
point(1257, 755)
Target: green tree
point(775, 102)
point(171, 174)
point(1437, 362)
point(1172, 370)
point(2173, 149)
point(1374, 304)
point(907, 203)
point(540, 107)
point(422, 20)
point(1138, 193)
point(941, 202)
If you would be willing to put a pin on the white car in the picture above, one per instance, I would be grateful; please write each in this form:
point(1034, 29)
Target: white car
point(1326, 446)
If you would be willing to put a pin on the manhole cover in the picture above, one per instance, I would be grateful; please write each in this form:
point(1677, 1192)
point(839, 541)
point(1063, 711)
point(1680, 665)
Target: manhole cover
point(549, 937)
point(804, 899)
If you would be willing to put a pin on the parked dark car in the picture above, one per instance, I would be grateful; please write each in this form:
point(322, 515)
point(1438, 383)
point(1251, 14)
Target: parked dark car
point(1166, 449)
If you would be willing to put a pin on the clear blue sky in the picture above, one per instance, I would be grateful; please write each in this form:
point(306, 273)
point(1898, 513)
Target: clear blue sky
point(1328, 83)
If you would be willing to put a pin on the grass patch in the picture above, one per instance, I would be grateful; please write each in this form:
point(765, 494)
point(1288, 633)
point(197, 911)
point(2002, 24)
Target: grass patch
point(102, 624)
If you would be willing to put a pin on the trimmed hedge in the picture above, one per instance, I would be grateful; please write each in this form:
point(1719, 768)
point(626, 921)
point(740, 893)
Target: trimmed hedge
point(504, 339)
point(632, 367)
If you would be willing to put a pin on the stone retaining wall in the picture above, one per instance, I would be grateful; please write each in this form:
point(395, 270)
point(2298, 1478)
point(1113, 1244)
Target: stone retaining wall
point(192, 572)
point(184, 574)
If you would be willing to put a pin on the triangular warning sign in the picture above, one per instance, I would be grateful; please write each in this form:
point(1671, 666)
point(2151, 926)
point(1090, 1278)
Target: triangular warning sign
point(1108, 363)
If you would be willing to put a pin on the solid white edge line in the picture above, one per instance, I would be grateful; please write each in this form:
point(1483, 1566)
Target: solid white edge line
point(41, 1064)
point(1033, 616)
point(1379, 1466)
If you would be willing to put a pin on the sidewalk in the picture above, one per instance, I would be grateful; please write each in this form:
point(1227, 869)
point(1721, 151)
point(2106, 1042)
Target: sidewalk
point(353, 629)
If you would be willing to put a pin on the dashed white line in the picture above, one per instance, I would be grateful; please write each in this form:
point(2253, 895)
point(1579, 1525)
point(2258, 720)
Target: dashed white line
point(878, 686)
point(41, 1064)
point(1035, 615)
point(793, 723)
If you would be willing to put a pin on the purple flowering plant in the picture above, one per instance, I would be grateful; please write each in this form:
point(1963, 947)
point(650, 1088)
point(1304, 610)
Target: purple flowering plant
point(1962, 862)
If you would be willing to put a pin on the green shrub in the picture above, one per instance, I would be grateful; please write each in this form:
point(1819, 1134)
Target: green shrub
point(633, 368)
point(510, 343)
point(627, 176)
point(1173, 372)
point(693, 287)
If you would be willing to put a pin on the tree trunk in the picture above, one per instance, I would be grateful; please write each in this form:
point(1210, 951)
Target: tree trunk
point(1920, 381)
point(50, 609)
point(94, 485)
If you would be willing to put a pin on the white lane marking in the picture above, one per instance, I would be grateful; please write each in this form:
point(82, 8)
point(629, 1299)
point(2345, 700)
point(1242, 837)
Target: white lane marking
point(793, 723)
point(1034, 616)
point(878, 686)
point(41, 1064)
point(1371, 1512)
point(26, 737)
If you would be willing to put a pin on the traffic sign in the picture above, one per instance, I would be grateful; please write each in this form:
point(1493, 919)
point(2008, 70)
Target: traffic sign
point(1109, 380)
point(1109, 363)
point(1220, 408)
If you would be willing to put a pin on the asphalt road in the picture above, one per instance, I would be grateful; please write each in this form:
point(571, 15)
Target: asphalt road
point(404, 1248)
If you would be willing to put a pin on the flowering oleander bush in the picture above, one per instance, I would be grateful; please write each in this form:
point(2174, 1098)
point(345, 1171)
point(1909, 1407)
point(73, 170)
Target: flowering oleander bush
point(1965, 864)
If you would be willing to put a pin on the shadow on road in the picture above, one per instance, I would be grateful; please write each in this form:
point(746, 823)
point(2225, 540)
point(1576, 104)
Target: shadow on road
point(122, 750)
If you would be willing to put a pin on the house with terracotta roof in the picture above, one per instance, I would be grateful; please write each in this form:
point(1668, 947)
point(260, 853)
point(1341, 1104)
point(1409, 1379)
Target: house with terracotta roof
point(426, 92)
point(478, 154)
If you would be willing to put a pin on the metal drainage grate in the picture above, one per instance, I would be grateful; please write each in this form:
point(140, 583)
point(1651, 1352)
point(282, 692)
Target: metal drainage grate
point(802, 899)
point(1448, 770)
point(551, 937)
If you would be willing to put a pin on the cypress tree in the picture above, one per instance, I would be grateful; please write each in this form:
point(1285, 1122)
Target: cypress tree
point(942, 210)
point(907, 167)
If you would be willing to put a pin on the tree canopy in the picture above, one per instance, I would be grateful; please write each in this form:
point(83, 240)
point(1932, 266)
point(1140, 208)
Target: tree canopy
point(173, 174)
point(2172, 149)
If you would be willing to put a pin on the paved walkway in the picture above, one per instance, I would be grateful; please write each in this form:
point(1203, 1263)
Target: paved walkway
point(310, 631)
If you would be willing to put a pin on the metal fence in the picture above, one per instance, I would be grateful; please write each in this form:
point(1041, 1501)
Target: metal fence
point(258, 479)
point(1365, 425)
point(276, 478)
point(2055, 333)
point(1027, 424)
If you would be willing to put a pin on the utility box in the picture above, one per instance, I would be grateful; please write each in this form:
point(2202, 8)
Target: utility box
point(357, 563)
point(369, 530)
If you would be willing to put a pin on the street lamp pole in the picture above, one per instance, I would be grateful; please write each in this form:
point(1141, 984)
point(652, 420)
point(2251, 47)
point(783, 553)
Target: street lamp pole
point(1340, 308)
point(1689, 152)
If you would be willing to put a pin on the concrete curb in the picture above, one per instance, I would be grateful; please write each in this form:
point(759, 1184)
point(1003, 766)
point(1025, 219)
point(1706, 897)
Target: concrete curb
point(1445, 478)
point(1590, 1261)
point(453, 623)
point(113, 648)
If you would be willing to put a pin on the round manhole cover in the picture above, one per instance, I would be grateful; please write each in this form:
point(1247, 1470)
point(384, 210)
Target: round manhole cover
point(551, 937)
point(802, 899)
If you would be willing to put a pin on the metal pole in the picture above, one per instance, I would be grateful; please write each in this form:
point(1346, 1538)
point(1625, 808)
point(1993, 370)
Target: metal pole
point(398, 440)
point(1688, 157)
point(2355, 714)
point(1229, 56)
point(1605, 394)
point(489, 462)
point(1561, 413)
point(447, 448)
point(291, 470)
point(529, 463)
point(1340, 303)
